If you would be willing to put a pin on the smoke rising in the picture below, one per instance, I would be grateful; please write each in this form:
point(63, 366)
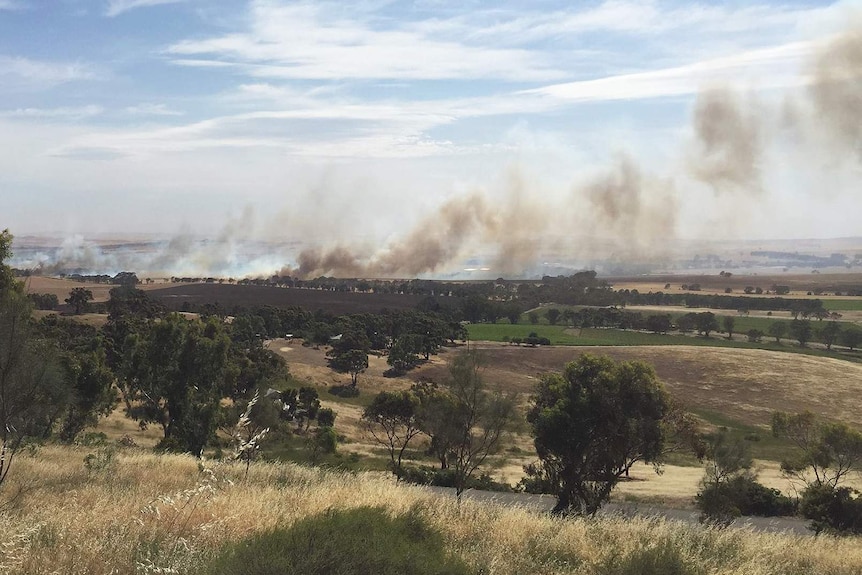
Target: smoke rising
point(729, 143)
point(837, 90)
point(625, 209)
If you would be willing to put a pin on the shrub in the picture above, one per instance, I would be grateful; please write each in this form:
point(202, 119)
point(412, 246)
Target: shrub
point(344, 542)
point(344, 391)
point(446, 478)
point(755, 335)
point(741, 495)
point(832, 509)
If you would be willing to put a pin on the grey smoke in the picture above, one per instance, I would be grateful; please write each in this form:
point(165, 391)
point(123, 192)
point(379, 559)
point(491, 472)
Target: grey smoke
point(836, 91)
point(729, 143)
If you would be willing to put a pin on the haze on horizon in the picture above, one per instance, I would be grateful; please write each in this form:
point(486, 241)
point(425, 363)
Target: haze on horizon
point(394, 139)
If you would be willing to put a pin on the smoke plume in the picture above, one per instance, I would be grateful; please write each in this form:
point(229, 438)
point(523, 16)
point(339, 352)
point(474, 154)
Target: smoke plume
point(729, 143)
point(627, 210)
point(836, 91)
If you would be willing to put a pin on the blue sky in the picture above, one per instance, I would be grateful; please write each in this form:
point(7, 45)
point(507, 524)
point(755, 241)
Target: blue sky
point(354, 121)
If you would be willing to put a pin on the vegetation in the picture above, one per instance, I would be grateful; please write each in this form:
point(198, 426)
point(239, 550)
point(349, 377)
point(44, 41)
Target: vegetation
point(730, 489)
point(392, 421)
point(591, 424)
point(160, 513)
point(827, 453)
point(343, 542)
point(477, 420)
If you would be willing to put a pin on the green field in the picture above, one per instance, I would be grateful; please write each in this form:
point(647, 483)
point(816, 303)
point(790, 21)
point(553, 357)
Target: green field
point(843, 304)
point(558, 335)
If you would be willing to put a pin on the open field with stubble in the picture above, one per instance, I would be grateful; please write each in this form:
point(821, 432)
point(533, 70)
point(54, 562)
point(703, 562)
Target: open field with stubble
point(738, 389)
point(799, 283)
point(140, 513)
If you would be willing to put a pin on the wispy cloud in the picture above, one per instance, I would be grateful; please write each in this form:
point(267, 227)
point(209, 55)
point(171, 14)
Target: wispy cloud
point(768, 68)
point(69, 114)
point(148, 109)
point(18, 72)
point(117, 7)
point(312, 41)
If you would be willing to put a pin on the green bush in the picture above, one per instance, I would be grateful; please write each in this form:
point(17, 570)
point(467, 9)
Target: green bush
point(446, 478)
point(344, 542)
point(742, 495)
point(831, 509)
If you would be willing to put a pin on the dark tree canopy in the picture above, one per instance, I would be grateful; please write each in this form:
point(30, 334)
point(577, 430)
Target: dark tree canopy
point(174, 376)
point(592, 423)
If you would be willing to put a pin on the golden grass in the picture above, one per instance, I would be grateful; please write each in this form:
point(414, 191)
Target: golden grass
point(145, 513)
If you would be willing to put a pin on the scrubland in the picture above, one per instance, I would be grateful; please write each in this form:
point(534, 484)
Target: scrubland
point(129, 511)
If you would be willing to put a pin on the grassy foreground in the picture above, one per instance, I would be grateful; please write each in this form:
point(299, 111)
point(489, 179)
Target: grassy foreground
point(141, 513)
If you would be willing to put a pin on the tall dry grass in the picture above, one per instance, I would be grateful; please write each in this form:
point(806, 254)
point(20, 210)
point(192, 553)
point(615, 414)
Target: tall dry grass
point(137, 513)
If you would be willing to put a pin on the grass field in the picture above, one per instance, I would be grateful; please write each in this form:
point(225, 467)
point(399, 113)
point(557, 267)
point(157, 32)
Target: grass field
point(843, 304)
point(140, 513)
point(562, 335)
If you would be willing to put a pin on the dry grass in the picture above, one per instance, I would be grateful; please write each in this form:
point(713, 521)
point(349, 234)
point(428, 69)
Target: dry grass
point(742, 385)
point(144, 513)
point(746, 385)
point(800, 284)
point(62, 287)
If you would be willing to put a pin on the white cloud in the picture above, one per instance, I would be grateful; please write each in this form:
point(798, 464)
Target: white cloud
point(149, 109)
point(70, 114)
point(11, 5)
point(768, 68)
point(18, 72)
point(316, 42)
point(117, 7)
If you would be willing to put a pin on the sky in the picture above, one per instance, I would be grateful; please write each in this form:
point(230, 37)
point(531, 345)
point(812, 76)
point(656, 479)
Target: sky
point(363, 121)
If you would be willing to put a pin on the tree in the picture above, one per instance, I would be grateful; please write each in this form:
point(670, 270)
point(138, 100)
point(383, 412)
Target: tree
point(33, 394)
point(403, 357)
point(801, 330)
point(851, 337)
point(726, 459)
point(533, 316)
point(553, 314)
point(777, 329)
point(706, 322)
point(437, 418)
point(326, 417)
point(349, 353)
point(826, 453)
point(755, 335)
point(829, 333)
point(592, 423)
point(730, 488)
point(175, 376)
point(479, 418)
point(658, 323)
point(92, 394)
point(7, 280)
point(687, 322)
point(513, 312)
point(79, 298)
point(392, 421)
point(729, 323)
point(352, 361)
point(301, 406)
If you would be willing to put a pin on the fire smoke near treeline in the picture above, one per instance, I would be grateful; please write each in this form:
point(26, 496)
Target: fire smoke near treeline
point(627, 213)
